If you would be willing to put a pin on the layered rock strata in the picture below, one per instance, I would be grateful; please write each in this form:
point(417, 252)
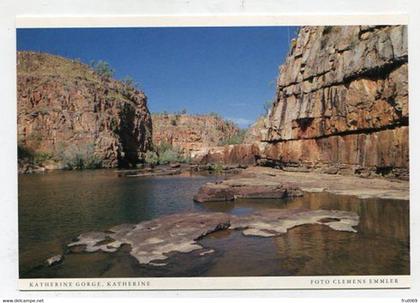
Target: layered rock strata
point(191, 133)
point(342, 102)
point(66, 112)
point(242, 154)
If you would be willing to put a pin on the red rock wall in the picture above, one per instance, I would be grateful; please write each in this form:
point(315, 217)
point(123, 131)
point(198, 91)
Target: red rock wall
point(342, 101)
point(191, 133)
point(65, 108)
point(238, 154)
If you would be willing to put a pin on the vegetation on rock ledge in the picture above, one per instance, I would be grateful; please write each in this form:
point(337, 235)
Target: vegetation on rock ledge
point(165, 153)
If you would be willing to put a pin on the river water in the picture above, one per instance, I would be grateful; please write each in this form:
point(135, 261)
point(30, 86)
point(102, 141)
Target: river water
point(55, 208)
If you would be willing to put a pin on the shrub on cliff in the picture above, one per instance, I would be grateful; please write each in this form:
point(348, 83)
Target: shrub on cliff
point(31, 156)
point(25, 152)
point(216, 167)
point(130, 85)
point(165, 153)
point(80, 157)
point(162, 147)
point(215, 115)
point(235, 139)
point(169, 156)
point(41, 157)
point(102, 68)
point(151, 158)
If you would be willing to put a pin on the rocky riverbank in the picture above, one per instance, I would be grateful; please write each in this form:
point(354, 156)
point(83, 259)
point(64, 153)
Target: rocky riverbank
point(264, 182)
point(180, 168)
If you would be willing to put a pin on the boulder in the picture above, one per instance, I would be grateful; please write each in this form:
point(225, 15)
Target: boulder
point(246, 188)
point(214, 192)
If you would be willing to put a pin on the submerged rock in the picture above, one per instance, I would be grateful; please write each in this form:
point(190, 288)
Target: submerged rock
point(206, 252)
point(95, 241)
point(152, 241)
point(54, 260)
point(273, 222)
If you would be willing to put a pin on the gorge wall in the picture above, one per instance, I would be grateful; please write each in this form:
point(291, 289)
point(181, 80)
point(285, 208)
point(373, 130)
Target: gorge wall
point(206, 139)
point(67, 114)
point(341, 104)
point(192, 134)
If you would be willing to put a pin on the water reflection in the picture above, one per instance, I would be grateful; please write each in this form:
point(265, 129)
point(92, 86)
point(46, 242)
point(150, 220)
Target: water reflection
point(56, 207)
point(381, 245)
point(390, 218)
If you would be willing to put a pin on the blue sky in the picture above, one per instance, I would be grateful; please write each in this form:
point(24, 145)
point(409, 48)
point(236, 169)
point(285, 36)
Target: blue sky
point(231, 71)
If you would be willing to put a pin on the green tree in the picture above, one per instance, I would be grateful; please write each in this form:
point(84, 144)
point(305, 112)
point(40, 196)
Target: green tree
point(102, 68)
point(130, 83)
point(215, 115)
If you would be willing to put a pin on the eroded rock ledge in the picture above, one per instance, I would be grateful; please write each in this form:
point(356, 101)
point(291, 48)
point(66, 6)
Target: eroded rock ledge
point(152, 241)
point(264, 182)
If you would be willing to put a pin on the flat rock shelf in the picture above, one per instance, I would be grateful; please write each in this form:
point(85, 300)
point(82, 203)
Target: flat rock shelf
point(152, 240)
point(264, 182)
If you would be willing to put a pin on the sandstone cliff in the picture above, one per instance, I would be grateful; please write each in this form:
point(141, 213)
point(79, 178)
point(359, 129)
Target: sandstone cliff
point(342, 102)
point(254, 132)
point(192, 133)
point(68, 114)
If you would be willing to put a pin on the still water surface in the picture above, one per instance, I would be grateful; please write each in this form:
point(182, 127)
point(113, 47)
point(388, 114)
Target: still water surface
point(55, 208)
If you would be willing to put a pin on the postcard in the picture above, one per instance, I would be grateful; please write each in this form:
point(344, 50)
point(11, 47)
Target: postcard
point(213, 157)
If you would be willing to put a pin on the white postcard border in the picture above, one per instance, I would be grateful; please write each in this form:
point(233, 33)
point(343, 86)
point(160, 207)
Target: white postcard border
point(208, 20)
point(219, 283)
point(213, 283)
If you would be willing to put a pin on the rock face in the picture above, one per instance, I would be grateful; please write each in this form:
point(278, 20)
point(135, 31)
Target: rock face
point(66, 112)
point(254, 132)
point(342, 102)
point(245, 153)
point(192, 133)
point(242, 154)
